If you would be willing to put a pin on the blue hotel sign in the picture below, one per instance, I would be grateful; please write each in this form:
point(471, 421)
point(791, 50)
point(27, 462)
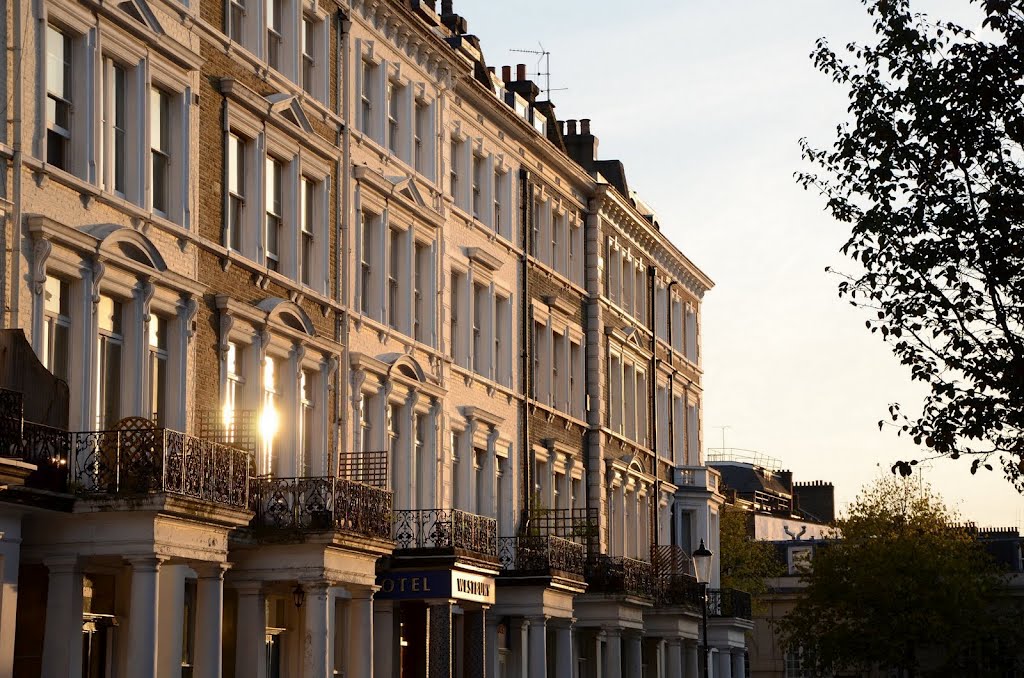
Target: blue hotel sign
point(426, 584)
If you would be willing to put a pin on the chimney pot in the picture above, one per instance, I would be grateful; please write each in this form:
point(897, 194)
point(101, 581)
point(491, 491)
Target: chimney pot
point(572, 127)
point(446, 6)
point(490, 69)
point(520, 71)
point(585, 126)
point(561, 127)
point(506, 73)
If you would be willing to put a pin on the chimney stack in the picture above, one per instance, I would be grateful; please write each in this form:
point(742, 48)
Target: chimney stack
point(520, 71)
point(506, 73)
point(585, 126)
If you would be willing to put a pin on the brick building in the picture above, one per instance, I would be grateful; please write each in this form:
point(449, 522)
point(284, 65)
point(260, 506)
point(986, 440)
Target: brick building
point(329, 350)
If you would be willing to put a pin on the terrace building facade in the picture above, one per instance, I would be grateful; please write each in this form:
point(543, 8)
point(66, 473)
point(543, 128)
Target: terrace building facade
point(328, 350)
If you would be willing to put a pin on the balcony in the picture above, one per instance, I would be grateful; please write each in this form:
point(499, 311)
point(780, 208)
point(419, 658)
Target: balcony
point(729, 603)
point(541, 556)
point(697, 477)
point(622, 576)
point(445, 529)
point(317, 504)
point(132, 462)
point(676, 590)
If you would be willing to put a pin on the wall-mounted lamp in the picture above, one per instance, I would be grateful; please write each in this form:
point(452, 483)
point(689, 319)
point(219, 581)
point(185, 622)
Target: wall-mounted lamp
point(298, 595)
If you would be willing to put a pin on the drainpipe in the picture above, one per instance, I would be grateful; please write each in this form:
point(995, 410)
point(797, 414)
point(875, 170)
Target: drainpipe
point(652, 384)
point(526, 332)
point(18, 50)
point(342, 203)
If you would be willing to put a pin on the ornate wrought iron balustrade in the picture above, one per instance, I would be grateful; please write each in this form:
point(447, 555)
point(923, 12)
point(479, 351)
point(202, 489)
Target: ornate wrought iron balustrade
point(445, 528)
point(614, 574)
point(540, 555)
point(729, 603)
point(45, 446)
point(678, 589)
point(132, 462)
point(321, 503)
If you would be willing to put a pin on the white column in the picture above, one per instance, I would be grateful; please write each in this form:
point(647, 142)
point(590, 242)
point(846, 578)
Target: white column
point(384, 646)
point(724, 661)
point(598, 655)
point(659, 658)
point(360, 635)
point(10, 556)
point(251, 633)
point(739, 668)
point(210, 620)
point(520, 647)
point(673, 658)
point(613, 653)
point(565, 658)
point(492, 646)
point(538, 647)
point(634, 654)
point(62, 642)
point(314, 643)
point(170, 628)
point(143, 613)
point(692, 659)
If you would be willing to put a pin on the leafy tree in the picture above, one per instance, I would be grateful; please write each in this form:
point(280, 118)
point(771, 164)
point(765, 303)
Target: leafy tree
point(929, 173)
point(900, 585)
point(745, 563)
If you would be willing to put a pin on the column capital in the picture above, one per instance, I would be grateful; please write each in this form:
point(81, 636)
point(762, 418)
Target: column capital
point(63, 564)
point(540, 619)
point(612, 631)
point(675, 642)
point(207, 570)
point(362, 592)
point(146, 563)
point(248, 588)
point(314, 586)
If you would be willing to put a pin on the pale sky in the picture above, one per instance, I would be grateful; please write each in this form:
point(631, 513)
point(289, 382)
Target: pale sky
point(704, 101)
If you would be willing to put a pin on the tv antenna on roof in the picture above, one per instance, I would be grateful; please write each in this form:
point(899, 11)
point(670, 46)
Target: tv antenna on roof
point(545, 56)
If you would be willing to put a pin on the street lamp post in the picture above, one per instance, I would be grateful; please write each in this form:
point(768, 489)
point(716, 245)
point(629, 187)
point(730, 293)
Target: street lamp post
point(702, 568)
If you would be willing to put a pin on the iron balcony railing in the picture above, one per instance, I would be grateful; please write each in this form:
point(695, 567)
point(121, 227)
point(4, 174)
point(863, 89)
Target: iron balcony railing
point(577, 525)
point(677, 590)
point(132, 462)
point(445, 529)
point(618, 575)
point(729, 603)
point(320, 503)
point(541, 555)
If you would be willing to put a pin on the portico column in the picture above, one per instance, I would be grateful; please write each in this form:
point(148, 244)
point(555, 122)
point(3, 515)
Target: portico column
point(360, 634)
point(521, 647)
point(492, 646)
point(251, 635)
point(724, 663)
point(384, 646)
point(62, 639)
point(314, 643)
point(538, 647)
point(209, 619)
point(659, 658)
point(565, 657)
point(143, 613)
point(692, 659)
point(599, 659)
point(739, 668)
point(613, 653)
point(634, 654)
point(673, 658)
point(439, 639)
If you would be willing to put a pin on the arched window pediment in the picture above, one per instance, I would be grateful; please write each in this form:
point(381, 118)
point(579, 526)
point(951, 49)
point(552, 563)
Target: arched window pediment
point(289, 314)
point(130, 244)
